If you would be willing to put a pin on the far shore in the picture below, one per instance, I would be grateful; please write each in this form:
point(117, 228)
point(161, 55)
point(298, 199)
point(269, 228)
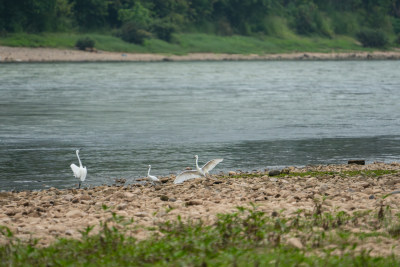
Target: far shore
point(25, 54)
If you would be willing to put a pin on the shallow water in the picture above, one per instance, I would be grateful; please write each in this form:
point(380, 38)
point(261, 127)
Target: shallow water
point(255, 115)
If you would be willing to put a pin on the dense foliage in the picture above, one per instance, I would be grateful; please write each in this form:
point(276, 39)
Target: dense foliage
point(136, 20)
point(372, 38)
point(85, 43)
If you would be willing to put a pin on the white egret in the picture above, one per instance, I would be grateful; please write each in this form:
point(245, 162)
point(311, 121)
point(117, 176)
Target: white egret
point(79, 172)
point(151, 177)
point(199, 172)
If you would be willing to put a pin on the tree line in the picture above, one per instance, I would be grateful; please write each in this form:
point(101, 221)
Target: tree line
point(135, 20)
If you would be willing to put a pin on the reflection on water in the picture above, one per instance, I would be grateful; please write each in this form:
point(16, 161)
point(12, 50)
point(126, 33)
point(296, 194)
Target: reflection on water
point(255, 115)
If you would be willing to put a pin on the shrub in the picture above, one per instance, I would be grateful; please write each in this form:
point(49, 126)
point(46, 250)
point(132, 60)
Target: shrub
point(276, 26)
point(372, 38)
point(309, 20)
point(396, 25)
point(132, 33)
point(224, 27)
point(164, 30)
point(85, 43)
point(345, 23)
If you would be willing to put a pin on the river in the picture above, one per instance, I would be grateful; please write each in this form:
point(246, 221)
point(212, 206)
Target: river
point(254, 114)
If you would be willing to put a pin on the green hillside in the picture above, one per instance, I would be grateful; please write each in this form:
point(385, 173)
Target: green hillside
point(182, 26)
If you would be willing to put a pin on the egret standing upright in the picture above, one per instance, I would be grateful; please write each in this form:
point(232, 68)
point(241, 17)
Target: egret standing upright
point(151, 177)
point(79, 172)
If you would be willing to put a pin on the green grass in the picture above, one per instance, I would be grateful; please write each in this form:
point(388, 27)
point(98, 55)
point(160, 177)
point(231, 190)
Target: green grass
point(373, 173)
point(248, 237)
point(191, 43)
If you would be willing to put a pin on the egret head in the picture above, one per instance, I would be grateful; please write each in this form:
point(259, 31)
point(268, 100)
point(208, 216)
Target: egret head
point(196, 157)
point(149, 166)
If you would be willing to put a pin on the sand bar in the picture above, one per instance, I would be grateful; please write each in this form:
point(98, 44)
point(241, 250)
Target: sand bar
point(25, 54)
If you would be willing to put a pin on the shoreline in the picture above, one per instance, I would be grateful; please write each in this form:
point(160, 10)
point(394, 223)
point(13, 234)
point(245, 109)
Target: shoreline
point(35, 55)
point(354, 189)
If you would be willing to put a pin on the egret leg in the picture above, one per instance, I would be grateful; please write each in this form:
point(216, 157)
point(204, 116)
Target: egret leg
point(79, 185)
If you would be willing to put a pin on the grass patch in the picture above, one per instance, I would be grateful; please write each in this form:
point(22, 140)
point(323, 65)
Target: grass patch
point(369, 173)
point(191, 43)
point(244, 238)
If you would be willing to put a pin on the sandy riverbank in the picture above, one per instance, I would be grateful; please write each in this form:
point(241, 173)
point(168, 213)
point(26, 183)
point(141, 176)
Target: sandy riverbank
point(54, 213)
point(23, 54)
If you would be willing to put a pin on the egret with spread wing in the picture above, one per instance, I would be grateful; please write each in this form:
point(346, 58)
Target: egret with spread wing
point(199, 172)
point(79, 172)
point(151, 177)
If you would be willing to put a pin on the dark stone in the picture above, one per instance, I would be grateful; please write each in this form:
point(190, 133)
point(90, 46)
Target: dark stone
point(164, 180)
point(39, 209)
point(164, 198)
point(371, 197)
point(356, 161)
point(10, 213)
point(193, 202)
point(274, 214)
point(274, 172)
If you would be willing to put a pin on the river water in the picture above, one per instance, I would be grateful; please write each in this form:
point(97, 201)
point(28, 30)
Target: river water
point(255, 115)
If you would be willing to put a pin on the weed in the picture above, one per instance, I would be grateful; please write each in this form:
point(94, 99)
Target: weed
point(246, 237)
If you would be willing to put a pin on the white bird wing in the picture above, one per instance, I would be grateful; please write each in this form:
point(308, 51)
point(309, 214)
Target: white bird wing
point(211, 165)
point(186, 175)
point(83, 174)
point(76, 170)
point(153, 178)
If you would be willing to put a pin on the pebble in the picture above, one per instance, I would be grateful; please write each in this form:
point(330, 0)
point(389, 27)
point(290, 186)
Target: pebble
point(311, 181)
point(75, 213)
point(193, 202)
point(295, 242)
point(69, 232)
point(122, 206)
point(164, 198)
point(68, 197)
